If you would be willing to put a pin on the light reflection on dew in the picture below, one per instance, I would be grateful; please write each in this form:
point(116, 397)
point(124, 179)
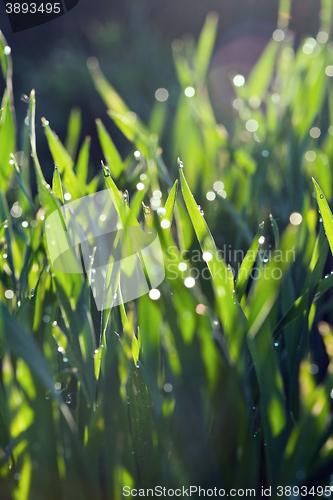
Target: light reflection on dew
point(161, 211)
point(310, 156)
point(295, 219)
point(182, 266)
point(315, 132)
point(278, 35)
point(239, 80)
point(154, 294)
point(218, 186)
point(238, 104)
point(161, 95)
point(251, 125)
point(189, 282)
point(207, 256)
point(329, 70)
point(189, 91)
point(210, 196)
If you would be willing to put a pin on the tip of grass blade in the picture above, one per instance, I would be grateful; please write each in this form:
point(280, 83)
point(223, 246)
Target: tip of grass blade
point(180, 163)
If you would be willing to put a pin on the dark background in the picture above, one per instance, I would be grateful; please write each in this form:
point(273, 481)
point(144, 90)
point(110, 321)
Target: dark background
point(132, 40)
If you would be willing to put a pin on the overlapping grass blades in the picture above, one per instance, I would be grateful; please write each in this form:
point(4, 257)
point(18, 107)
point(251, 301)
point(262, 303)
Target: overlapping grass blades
point(215, 382)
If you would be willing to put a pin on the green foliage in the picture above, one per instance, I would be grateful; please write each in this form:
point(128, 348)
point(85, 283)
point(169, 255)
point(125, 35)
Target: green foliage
point(214, 383)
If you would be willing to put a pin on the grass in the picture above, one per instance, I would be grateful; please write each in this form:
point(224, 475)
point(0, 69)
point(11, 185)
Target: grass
point(225, 380)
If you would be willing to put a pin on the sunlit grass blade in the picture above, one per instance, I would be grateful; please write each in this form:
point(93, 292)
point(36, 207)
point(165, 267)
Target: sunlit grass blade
point(205, 46)
point(64, 162)
point(19, 178)
point(300, 305)
point(229, 310)
point(247, 264)
point(265, 291)
point(7, 139)
point(83, 162)
point(56, 185)
point(110, 152)
point(325, 213)
point(132, 131)
point(276, 232)
point(170, 203)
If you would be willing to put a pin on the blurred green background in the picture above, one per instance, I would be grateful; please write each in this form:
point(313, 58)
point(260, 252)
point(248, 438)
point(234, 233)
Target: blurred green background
point(132, 41)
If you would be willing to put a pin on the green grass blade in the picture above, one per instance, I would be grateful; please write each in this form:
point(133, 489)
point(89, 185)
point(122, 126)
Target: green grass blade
point(19, 178)
point(325, 213)
point(276, 232)
point(110, 152)
point(170, 203)
point(64, 162)
point(83, 162)
point(229, 310)
point(247, 264)
point(56, 185)
point(205, 47)
point(73, 131)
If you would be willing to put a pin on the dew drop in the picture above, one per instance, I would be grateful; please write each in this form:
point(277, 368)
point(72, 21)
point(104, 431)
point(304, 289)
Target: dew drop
point(106, 170)
point(146, 209)
point(161, 211)
point(180, 163)
point(24, 98)
point(276, 343)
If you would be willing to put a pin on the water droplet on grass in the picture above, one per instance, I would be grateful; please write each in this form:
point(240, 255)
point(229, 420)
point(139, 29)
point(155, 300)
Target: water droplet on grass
point(106, 170)
point(180, 163)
